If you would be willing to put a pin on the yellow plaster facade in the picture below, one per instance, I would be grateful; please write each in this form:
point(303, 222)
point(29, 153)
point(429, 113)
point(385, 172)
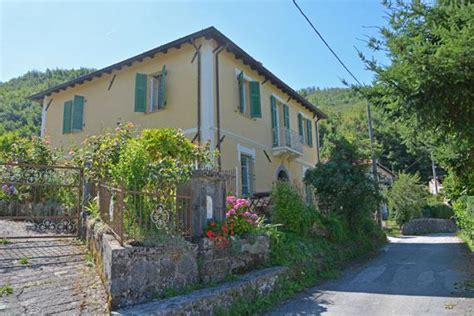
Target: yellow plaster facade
point(242, 135)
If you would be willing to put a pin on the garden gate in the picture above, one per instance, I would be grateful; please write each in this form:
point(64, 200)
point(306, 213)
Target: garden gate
point(39, 200)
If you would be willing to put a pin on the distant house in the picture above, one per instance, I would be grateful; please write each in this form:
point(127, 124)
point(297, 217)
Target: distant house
point(210, 88)
point(435, 187)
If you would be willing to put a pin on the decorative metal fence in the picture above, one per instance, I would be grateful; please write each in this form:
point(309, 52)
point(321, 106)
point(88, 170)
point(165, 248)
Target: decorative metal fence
point(260, 203)
point(231, 184)
point(39, 200)
point(141, 216)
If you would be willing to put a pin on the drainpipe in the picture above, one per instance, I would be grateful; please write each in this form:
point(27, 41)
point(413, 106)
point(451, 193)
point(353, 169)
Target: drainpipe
point(218, 109)
point(318, 148)
point(43, 117)
point(198, 52)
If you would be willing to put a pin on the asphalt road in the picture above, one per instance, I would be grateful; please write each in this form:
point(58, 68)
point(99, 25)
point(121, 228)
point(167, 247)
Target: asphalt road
point(413, 275)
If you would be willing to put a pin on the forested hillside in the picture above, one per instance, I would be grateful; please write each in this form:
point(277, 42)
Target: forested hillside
point(347, 113)
point(17, 113)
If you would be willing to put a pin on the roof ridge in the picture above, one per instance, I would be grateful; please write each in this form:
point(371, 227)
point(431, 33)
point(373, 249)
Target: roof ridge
point(209, 32)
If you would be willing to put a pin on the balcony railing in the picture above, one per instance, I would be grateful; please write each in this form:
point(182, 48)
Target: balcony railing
point(286, 141)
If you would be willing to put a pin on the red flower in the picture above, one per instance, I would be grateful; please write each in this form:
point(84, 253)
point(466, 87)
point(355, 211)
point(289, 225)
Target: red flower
point(209, 234)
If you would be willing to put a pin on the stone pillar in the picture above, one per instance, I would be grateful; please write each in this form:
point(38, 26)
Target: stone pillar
point(208, 194)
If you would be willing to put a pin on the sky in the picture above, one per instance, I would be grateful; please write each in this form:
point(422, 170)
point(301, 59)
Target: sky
point(36, 35)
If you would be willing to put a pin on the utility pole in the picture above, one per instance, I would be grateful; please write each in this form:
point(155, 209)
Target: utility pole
point(374, 161)
point(433, 167)
point(369, 115)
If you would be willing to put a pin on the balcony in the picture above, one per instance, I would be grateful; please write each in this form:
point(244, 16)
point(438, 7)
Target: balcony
point(286, 143)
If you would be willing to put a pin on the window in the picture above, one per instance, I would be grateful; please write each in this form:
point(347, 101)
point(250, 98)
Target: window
point(150, 91)
point(73, 115)
point(305, 130)
point(246, 170)
point(249, 97)
point(280, 117)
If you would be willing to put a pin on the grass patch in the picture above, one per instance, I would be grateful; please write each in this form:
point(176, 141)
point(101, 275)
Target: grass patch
point(392, 229)
point(468, 242)
point(89, 260)
point(24, 261)
point(5, 241)
point(6, 290)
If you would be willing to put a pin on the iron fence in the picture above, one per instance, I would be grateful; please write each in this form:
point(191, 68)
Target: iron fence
point(139, 216)
point(39, 200)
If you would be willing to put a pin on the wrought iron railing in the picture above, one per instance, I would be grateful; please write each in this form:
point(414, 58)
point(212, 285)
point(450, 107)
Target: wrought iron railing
point(284, 137)
point(138, 216)
point(40, 200)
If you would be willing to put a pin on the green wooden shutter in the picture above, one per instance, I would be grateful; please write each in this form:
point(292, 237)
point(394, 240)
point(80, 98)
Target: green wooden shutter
point(240, 79)
point(286, 116)
point(162, 100)
point(300, 127)
point(78, 113)
point(273, 108)
point(255, 106)
point(140, 92)
point(309, 129)
point(67, 116)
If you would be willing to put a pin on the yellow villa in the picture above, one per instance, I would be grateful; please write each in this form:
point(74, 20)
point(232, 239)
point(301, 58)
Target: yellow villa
point(210, 88)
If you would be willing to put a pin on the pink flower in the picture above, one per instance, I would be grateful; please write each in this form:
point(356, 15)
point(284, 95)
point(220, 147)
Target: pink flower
point(254, 216)
point(117, 128)
point(230, 199)
point(247, 214)
point(46, 142)
point(71, 152)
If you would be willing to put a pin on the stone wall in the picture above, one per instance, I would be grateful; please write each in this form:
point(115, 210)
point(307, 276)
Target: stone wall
point(216, 263)
point(134, 275)
point(215, 300)
point(422, 226)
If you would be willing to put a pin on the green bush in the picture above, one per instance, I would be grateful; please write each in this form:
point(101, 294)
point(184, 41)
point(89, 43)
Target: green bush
point(464, 213)
point(342, 185)
point(406, 198)
point(438, 210)
point(290, 210)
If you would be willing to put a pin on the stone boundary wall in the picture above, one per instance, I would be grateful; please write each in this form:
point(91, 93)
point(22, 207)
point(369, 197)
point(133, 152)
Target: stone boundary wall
point(135, 275)
point(211, 301)
point(421, 226)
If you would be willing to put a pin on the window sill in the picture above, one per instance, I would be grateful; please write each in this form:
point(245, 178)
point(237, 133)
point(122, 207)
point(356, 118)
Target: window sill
point(157, 111)
point(246, 115)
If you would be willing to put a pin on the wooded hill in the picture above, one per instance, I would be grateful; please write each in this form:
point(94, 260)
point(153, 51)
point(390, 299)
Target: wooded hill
point(19, 114)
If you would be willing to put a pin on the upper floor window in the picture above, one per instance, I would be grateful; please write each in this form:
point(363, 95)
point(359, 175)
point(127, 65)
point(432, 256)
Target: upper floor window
point(305, 130)
point(73, 115)
point(249, 96)
point(150, 91)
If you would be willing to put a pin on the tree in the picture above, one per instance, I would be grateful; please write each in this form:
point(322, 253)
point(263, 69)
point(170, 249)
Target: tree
point(406, 198)
point(427, 86)
point(17, 112)
point(341, 184)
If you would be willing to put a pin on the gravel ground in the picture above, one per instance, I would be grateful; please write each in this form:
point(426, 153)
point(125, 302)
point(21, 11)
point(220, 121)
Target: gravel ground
point(49, 276)
point(414, 275)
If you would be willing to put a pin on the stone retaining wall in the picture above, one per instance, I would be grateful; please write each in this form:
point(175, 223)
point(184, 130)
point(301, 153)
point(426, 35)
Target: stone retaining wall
point(422, 226)
point(211, 301)
point(135, 275)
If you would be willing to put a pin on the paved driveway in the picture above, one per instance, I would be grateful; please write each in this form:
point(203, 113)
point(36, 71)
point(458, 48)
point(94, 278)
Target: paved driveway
point(49, 276)
point(425, 275)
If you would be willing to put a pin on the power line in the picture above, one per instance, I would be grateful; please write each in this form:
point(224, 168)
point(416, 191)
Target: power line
point(369, 115)
point(326, 43)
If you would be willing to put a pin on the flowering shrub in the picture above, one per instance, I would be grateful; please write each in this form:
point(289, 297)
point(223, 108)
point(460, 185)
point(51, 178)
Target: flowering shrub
point(239, 216)
point(239, 221)
point(28, 150)
point(8, 193)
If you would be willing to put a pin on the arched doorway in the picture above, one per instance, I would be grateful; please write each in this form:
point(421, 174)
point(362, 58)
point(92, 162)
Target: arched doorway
point(283, 176)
